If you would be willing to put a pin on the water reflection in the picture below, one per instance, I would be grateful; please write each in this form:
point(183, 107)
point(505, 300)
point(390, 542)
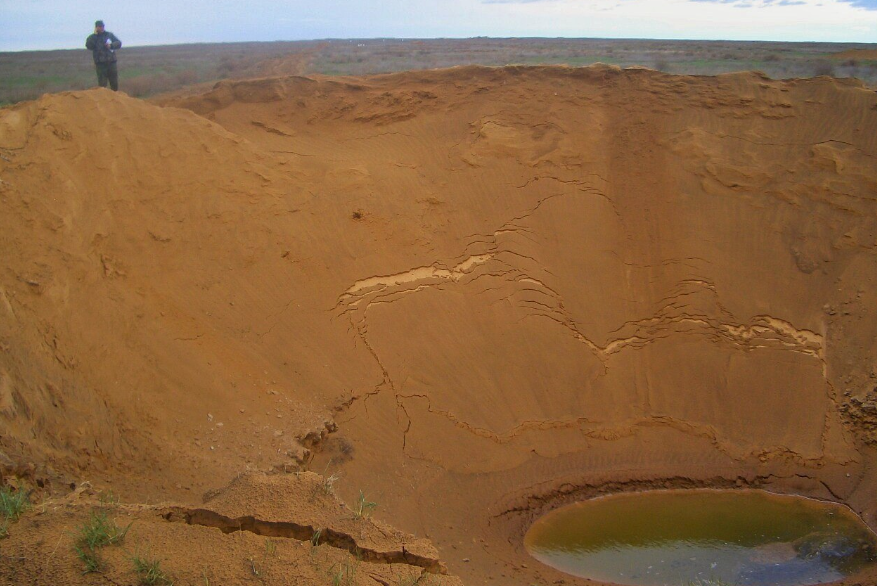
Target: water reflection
point(673, 538)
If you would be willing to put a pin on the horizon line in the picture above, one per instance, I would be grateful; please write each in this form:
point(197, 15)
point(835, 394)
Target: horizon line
point(450, 38)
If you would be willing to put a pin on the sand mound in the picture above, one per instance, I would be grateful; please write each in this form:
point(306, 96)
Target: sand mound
point(474, 293)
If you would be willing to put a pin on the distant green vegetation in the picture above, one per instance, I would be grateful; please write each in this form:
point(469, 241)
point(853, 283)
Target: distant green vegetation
point(147, 71)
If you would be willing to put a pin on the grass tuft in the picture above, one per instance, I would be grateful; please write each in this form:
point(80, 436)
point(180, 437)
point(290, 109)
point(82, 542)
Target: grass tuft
point(422, 579)
point(149, 571)
point(89, 559)
point(270, 547)
point(13, 503)
point(254, 567)
point(99, 531)
point(327, 485)
point(344, 573)
point(364, 508)
point(108, 498)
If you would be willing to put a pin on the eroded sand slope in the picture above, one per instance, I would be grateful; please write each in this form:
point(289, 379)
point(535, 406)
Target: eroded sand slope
point(474, 293)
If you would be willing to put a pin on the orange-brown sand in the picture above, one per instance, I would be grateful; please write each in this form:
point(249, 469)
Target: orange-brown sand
point(473, 294)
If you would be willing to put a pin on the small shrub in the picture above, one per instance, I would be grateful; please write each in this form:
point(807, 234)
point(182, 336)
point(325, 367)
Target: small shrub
point(186, 77)
point(138, 86)
point(227, 65)
point(823, 68)
point(662, 65)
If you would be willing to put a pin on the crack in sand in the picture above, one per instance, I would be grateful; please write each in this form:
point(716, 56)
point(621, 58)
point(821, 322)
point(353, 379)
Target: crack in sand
point(762, 328)
point(417, 274)
point(763, 331)
point(612, 432)
point(401, 405)
point(271, 129)
point(788, 144)
point(386, 289)
point(500, 438)
point(302, 532)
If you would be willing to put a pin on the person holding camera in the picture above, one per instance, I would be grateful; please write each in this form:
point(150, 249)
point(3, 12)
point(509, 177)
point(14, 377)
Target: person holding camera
point(103, 45)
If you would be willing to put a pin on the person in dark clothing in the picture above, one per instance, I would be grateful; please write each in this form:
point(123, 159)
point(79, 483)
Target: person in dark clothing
point(103, 45)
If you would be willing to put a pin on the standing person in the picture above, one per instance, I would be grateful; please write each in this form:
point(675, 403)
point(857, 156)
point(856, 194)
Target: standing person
point(103, 45)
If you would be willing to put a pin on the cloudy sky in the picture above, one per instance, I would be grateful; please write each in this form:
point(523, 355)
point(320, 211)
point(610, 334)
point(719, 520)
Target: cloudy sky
point(58, 24)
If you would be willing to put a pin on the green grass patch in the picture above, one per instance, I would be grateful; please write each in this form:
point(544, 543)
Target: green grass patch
point(13, 504)
point(149, 572)
point(89, 559)
point(99, 531)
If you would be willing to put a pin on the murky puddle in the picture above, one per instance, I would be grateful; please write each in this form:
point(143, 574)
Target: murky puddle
point(677, 538)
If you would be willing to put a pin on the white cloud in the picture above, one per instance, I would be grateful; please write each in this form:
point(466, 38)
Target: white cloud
point(806, 20)
point(63, 24)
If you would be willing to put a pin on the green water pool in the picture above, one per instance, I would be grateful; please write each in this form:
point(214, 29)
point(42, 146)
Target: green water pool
point(692, 537)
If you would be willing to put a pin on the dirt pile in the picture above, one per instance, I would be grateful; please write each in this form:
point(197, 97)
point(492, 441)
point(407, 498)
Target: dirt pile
point(473, 293)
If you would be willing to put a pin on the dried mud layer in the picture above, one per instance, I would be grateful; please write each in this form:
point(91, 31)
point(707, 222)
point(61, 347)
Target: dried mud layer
point(467, 295)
